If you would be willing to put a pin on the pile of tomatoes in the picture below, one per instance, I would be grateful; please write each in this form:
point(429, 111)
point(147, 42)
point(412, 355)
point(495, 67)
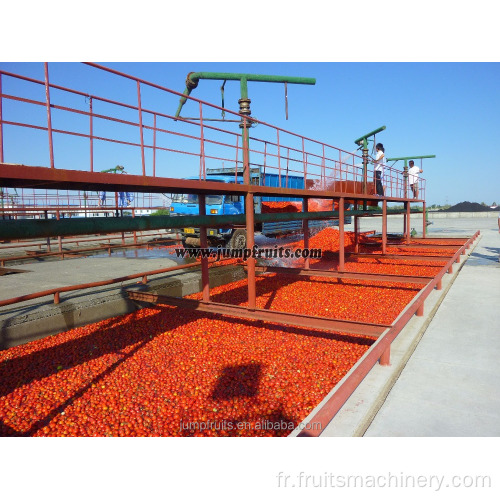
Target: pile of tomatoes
point(162, 371)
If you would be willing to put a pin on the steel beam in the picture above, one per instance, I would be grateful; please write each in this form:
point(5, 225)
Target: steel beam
point(14, 175)
point(390, 278)
point(389, 256)
point(300, 320)
point(424, 246)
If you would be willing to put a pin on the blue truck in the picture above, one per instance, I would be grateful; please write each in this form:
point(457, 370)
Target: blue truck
point(226, 204)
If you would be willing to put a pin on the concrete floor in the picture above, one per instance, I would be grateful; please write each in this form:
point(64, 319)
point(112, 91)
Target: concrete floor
point(450, 384)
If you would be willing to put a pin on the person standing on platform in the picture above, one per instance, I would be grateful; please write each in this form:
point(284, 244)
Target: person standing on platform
point(413, 172)
point(126, 196)
point(379, 169)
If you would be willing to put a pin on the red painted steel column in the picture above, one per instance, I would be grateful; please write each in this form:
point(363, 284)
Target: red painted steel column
point(202, 146)
point(424, 226)
point(384, 227)
point(279, 157)
point(141, 128)
point(59, 239)
point(408, 230)
point(404, 221)
point(91, 135)
point(305, 225)
point(48, 237)
point(135, 232)
point(154, 145)
point(249, 218)
point(1, 128)
point(49, 117)
point(204, 244)
point(385, 359)
point(250, 244)
point(341, 235)
point(420, 310)
point(356, 230)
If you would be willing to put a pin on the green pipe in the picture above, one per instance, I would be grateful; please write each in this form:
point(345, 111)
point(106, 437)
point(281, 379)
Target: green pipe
point(193, 79)
point(411, 157)
point(363, 138)
point(244, 88)
point(44, 228)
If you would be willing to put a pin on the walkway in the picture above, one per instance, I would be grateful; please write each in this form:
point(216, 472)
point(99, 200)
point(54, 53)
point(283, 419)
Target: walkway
point(450, 385)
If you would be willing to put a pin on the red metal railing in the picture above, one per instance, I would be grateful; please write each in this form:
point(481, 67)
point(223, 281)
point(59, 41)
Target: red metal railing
point(56, 292)
point(179, 141)
point(35, 203)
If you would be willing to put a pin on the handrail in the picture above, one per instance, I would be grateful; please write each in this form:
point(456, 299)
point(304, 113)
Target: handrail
point(57, 291)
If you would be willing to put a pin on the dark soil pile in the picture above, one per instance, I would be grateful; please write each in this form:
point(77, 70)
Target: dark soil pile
point(467, 206)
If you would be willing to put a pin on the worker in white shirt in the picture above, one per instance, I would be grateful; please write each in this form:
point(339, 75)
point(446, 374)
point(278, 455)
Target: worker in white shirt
point(413, 172)
point(379, 165)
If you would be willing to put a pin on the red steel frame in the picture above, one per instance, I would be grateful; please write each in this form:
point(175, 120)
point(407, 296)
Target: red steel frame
point(342, 185)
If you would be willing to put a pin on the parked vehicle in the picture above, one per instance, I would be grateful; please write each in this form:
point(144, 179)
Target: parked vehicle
point(226, 204)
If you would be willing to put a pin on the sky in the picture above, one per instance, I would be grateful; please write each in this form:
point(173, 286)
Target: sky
point(429, 73)
point(451, 110)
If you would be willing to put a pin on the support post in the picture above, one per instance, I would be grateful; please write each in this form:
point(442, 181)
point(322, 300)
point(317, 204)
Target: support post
point(1, 128)
point(48, 237)
point(404, 220)
point(249, 212)
point(408, 230)
point(249, 206)
point(305, 226)
point(135, 232)
point(424, 220)
point(365, 171)
point(405, 178)
point(356, 230)
point(341, 236)
point(205, 284)
point(59, 239)
point(420, 310)
point(385, 359)
point(384, 226)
